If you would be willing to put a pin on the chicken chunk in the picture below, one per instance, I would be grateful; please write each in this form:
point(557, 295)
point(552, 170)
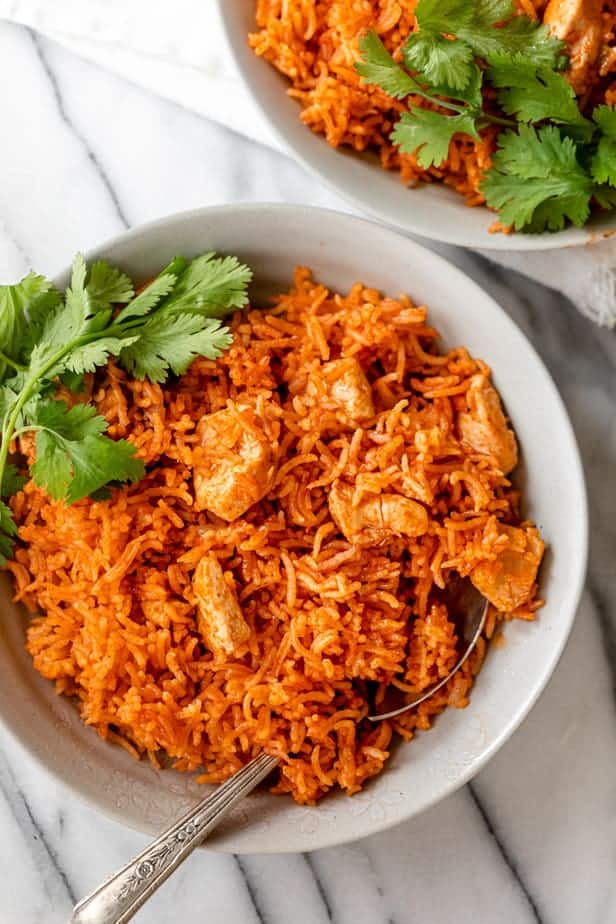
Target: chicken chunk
point(349, 388)
point(508, 580)
point(579, 24)
point(237, 467)
point(219, 617)
point(376, 516)
point(484, 426)
point(343, 387)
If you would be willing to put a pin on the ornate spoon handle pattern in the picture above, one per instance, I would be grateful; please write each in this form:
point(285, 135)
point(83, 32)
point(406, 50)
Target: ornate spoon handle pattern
point(121, 896)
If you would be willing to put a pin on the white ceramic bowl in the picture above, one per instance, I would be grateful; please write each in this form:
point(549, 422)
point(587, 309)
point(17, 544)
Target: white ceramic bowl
point(341, 250)
point(432, 211)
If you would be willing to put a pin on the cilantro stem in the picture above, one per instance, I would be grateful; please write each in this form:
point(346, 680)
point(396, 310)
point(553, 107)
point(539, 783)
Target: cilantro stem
point(444, 103)
point(472, 111)
point(32, 428)
point(9, 427)
point(18, 367)
point(496, 120)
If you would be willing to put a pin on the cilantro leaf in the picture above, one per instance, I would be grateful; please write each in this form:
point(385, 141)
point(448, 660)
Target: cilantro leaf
point(67, 321)
point(22, 307)
point(61, 328)
point(470, 94)
point(439, 61)
point(96, 290)
point(534, 94)
point(73, 458)
point(8, 530)
point(605, 118)
point(428, 134)
point(173, 341)
point(604, 162)
point(210, 286)
point(603, 166)
point(12, 481)
point(147, 299)
point(605, 196)
point(107, 286)
point(496, 31)
point(490, 28)
point(553, 214)
point(72, 423)
point(530, 153)
point(536, 205)
point(96, 353)
point(76, 308)
point(536, 181)
point(447, 16)
point(175, 267)
point(377, 66)
point(74, 381)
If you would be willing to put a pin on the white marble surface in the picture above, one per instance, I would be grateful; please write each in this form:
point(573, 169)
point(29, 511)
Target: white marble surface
point(533, 839)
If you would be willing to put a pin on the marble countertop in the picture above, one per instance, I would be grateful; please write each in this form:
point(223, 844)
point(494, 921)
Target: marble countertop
point(533, 838)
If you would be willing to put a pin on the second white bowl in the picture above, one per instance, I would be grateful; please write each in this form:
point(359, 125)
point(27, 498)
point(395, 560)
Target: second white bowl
point(431, 210)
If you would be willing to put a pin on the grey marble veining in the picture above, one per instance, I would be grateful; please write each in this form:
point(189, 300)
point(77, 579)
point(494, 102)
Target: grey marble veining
point(533, 839)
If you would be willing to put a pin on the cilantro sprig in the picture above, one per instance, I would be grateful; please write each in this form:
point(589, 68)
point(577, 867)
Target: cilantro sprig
point(458, 49)
point(48, 337)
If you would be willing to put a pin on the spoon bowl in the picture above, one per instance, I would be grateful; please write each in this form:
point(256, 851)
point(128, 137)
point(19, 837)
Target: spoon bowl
point(469, 609)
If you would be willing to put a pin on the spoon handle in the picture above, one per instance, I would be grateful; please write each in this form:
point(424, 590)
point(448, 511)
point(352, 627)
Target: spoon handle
point(121, 896)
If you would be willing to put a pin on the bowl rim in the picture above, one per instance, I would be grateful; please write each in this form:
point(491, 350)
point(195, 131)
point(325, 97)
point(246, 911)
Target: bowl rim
point(327, 838)
point(517, 241)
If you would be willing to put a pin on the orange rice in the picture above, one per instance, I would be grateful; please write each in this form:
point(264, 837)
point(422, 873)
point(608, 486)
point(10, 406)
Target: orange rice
point(325, 615)
point(314, 43)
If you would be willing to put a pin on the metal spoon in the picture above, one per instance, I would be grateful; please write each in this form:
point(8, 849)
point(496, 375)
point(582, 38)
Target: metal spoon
point(121, 896)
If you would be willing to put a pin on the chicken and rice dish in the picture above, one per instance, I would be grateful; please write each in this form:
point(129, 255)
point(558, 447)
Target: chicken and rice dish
point(306, 496)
